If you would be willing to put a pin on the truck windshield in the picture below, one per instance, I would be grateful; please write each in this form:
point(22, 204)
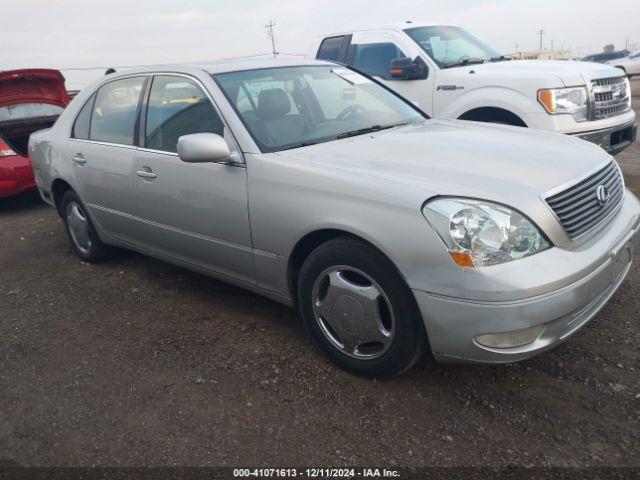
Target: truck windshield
point(292, 107)
point(453, 46)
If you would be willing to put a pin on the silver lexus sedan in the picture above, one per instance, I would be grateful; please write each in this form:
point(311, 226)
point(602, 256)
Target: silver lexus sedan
point(392, 233)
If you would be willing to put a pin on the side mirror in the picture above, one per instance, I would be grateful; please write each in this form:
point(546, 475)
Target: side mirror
point(203, 148)
point(407, 69)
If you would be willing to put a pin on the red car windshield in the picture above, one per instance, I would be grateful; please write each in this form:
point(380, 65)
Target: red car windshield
point(28, 110)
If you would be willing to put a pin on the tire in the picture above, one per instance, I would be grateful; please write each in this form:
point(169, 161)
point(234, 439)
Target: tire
point(82, 234)
point(336, 285)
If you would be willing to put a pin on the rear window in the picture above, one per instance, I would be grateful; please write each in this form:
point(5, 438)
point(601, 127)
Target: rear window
point(29, 110)
point(83, 122)
point(115, 111)
point(331, 49)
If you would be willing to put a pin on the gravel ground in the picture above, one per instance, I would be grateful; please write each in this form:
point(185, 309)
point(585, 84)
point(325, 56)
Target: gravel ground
point(136, 362)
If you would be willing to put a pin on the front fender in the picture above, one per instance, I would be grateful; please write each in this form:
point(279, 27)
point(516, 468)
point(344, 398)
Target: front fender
point(511, 100)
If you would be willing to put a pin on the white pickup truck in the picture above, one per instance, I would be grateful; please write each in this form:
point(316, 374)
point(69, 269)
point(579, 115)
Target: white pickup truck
point(450, 73)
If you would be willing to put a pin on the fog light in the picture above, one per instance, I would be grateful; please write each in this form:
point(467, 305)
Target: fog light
point(513, 339)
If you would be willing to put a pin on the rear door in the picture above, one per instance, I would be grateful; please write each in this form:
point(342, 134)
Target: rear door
point(102, 150)
point(194, 212)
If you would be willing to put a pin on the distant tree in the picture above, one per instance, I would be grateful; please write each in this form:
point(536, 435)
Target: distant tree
point(609, 48)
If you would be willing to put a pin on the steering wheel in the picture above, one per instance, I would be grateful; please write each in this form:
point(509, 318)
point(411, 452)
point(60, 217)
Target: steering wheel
point(349, 111)
point(463, 58)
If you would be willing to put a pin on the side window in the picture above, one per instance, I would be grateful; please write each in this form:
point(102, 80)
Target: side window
point(83, 120)
point(177, 106)
point(115, 110)
point(331, 49)
point(375, 58)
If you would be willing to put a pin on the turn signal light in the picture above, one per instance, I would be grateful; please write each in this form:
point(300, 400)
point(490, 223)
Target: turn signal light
point(548, 100)
point(461, 258)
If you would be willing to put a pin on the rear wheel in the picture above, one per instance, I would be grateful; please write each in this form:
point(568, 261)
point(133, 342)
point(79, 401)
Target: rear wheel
point(82, 234)
point(358, 309)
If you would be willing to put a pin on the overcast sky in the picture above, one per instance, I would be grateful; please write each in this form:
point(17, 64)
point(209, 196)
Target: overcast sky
point(90, 33)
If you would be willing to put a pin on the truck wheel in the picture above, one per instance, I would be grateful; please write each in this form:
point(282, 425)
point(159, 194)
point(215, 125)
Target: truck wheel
point(358, 309)
point(82, 234)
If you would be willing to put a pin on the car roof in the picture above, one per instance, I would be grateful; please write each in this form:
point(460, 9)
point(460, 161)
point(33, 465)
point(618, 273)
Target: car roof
point(221, 66)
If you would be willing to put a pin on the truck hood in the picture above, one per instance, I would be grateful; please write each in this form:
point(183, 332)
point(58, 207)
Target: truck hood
point(570, 73)
point(510, 165)
point(32, 86)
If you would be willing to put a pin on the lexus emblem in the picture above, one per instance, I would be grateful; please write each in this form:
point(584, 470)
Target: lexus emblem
point(603, 195)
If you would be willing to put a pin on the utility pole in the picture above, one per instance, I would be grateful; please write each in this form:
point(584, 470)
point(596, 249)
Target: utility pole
point(541, 32)
point(269, 26)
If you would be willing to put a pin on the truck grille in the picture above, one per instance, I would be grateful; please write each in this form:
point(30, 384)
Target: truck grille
point(587, 204)
point(610, 97)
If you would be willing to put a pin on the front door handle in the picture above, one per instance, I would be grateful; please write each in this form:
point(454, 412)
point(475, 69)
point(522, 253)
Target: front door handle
point(146, 173)
point(79, 159)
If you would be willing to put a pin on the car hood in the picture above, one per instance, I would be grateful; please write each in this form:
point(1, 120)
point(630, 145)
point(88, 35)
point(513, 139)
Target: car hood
point(570, 73)
point(32, 86)
point(510, 165)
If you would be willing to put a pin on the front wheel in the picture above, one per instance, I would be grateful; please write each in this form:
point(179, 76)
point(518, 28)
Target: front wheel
point(358, 309)
point(82, 234)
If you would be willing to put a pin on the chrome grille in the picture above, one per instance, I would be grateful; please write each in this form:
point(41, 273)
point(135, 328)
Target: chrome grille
point(610, 97)
point(578, 207)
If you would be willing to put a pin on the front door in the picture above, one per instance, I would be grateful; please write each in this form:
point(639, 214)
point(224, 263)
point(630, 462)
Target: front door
point(372, 52)
point(194, 212)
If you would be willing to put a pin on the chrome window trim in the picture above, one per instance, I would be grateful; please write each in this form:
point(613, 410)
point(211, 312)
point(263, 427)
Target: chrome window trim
point(109, 144)
point(144, 149)
point(568, 185)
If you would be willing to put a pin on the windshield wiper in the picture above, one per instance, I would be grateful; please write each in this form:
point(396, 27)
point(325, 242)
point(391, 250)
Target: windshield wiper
point(466, 61)
point(501, 58)
point(302, 144)
point(362, 131)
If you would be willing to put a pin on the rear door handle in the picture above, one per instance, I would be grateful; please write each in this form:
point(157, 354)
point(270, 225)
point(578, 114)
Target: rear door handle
point(79, 159)
point(146, 173)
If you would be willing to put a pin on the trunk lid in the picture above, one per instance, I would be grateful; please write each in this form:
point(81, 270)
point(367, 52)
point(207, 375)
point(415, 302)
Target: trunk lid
point(33, 86)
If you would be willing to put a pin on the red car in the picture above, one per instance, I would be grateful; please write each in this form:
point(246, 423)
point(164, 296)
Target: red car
point(30, 100)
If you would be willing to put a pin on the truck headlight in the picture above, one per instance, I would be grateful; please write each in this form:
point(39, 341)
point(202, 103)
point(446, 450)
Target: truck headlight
point(573, 101)
point(479, 233)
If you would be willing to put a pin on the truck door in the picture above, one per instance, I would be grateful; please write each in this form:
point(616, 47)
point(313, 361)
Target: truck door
point(372, 52)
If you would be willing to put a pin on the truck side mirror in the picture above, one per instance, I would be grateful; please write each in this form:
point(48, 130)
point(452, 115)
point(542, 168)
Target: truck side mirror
point(407, 69)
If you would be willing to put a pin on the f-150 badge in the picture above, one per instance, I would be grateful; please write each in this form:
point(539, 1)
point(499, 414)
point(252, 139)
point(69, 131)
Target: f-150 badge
point(449, 88)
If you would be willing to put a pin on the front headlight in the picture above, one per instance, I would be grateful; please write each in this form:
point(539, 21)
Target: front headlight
point(479, 233)
point(627, 86)
point(573, 101)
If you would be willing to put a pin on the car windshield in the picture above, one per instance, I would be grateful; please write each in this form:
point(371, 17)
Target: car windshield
point(291, 107)
point(28, 110)
point(453, 46)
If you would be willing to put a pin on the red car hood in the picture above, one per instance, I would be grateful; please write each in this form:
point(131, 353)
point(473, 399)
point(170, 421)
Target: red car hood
point(33, 86)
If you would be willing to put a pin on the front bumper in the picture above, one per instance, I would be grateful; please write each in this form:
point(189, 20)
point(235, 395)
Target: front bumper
point(615, 139)
point(453, 324)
